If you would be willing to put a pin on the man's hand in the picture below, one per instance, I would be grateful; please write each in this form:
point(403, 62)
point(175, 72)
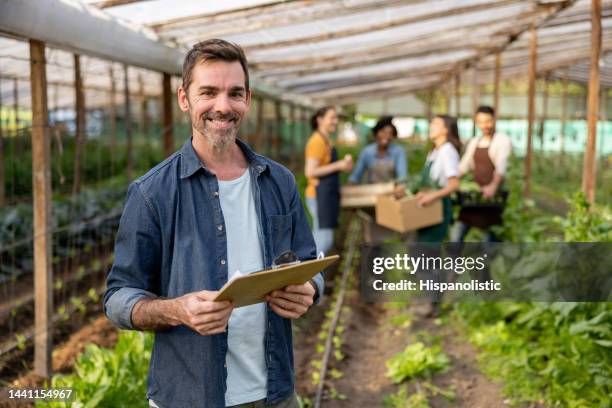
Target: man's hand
point(197, 311)
point(489, 190)
point(293, 301)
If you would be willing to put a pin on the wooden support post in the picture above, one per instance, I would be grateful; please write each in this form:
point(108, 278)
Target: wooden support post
point(590, 163)
point(278, 137)
point(475, 97)
point(429, 106)
point(2, 191)
point(544, 111)
point(458, 96)
point(128, 122)
point(533, 47)
point(167, 120)
point(448, 95)
point(144, 117)
point(496, 91)
point(41, 185)
point(259, 124)
point(79, 136)
point(305, 133)
point(112, 111)
point(563, 115)
point(16, 106)
point(293, 134)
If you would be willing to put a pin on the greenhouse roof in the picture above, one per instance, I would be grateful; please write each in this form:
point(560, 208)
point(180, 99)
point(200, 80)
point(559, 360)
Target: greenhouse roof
point(339, 51)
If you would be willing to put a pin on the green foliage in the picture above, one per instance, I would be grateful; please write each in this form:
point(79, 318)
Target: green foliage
point(110, 378)
point(416, 360)
point(79, 221)
point(521, 221)
point(584, 223)
point(558, 352)
point(402, 399)
point(99, 162)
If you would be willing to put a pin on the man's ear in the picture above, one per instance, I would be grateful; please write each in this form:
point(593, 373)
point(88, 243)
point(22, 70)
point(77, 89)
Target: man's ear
point(249, 98)
point(182, 99)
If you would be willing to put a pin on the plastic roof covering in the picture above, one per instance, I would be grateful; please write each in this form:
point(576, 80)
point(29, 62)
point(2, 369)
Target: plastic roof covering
point(14, 63)
point(349, 50)
point(564, 46)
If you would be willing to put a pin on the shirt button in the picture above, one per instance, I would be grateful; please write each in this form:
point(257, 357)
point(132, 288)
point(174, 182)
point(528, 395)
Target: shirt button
point(225, 365)
point(220, 227)
point(216, 194)
point(223, 262)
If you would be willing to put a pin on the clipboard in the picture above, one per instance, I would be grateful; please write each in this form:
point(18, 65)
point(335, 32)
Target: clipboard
point(250, 289)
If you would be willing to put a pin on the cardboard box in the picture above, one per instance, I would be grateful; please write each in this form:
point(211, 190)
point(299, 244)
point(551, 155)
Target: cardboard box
point(363, 195)
point(404, 215)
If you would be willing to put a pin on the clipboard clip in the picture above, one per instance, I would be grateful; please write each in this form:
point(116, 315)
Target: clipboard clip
point(285, 259)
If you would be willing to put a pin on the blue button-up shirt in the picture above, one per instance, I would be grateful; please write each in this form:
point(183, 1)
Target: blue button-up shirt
point(368, 157)
point(169, 243)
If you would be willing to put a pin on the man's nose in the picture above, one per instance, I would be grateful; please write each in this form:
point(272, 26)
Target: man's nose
point(222, 103)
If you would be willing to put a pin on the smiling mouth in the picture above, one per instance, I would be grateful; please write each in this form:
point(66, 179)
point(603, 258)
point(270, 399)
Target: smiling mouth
point(222, 124)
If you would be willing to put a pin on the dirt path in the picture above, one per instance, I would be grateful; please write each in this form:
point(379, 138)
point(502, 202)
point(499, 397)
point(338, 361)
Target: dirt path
point(371, 340)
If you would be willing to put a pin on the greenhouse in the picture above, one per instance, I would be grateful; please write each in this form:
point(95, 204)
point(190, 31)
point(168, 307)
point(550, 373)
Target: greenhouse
point(306, 203)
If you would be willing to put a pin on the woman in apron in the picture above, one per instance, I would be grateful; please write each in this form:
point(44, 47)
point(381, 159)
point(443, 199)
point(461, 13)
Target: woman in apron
point(440, 175)
point(439, 179)
point(322, 171)
point(383, 161)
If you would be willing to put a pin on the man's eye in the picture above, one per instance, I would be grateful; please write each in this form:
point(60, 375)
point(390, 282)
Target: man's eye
point(207, 93)
point(237, 95)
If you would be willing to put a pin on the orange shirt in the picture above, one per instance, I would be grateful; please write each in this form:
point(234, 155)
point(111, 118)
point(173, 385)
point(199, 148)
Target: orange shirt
point(317, 148)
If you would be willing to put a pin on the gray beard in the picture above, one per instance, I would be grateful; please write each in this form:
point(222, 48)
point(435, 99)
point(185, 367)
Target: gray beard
point(220, 141)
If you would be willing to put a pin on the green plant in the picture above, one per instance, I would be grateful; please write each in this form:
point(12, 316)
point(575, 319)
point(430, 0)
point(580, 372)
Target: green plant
point(109, 377)
point(558, 352)
point(584, 223)
point(416, 360)
point(401, 399)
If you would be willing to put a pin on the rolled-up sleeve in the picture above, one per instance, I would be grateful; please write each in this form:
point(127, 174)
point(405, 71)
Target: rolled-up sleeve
point(136, 267)
point(502, 154)
point(467, 160)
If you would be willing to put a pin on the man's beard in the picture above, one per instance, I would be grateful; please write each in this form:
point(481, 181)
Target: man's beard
point(219, 138)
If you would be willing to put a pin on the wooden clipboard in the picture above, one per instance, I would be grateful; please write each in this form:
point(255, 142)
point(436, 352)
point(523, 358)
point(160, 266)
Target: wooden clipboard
point(253, 288)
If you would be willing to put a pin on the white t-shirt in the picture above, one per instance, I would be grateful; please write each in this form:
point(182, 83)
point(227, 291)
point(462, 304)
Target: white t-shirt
point(444, 163)
point(247, 373)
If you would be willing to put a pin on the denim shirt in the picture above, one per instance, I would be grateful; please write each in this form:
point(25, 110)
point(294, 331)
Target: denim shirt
point(172, 241)
point(368, 157)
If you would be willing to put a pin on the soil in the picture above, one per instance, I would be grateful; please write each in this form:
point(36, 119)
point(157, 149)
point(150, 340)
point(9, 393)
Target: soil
point(100, 332)
point(370, 340)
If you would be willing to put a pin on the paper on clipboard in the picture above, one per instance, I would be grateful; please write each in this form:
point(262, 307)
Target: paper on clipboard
point(250, 289)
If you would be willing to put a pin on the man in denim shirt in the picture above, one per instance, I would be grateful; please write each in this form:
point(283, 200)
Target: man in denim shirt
point(172, 248)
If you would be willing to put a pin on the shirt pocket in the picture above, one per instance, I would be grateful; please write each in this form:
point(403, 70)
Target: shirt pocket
point(281, 231)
